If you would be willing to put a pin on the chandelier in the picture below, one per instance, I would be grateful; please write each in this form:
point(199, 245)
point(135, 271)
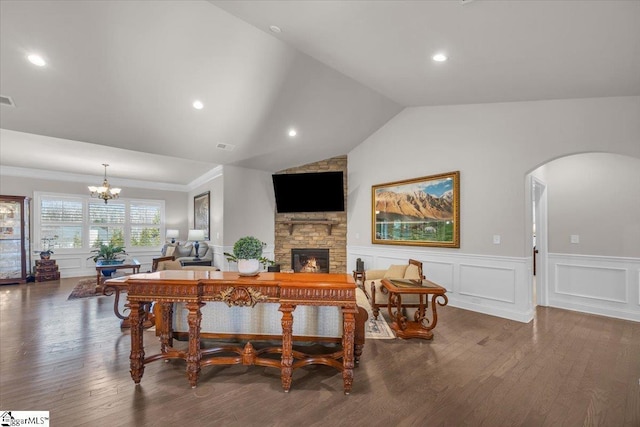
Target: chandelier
point(105, 191)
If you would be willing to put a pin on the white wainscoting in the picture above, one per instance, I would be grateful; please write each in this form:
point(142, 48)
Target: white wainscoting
point(607, 286)
point(499, 286)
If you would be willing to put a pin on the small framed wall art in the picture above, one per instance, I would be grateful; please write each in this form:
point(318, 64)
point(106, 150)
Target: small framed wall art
point(201, 216)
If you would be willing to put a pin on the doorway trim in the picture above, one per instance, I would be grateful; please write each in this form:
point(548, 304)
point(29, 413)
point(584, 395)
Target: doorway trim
point(539, 207)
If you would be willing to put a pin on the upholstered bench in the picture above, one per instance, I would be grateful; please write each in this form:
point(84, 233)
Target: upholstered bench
point(311, 324)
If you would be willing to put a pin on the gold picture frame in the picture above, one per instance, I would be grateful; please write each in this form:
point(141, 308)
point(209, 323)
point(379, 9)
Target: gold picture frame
point(201, 216)
point(420, 212)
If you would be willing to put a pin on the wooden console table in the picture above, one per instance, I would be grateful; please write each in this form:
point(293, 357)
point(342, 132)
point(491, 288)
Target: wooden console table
point(420, 326)
point(195, 288)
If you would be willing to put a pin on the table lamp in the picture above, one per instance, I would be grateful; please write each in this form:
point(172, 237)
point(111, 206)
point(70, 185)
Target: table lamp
point(195, 236)
point(173, 235)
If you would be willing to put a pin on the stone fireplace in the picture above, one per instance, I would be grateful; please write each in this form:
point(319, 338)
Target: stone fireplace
point(313, 260)
point(314, 230)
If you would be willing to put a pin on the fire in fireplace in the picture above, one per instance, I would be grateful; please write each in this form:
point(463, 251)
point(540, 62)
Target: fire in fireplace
point(310, 260)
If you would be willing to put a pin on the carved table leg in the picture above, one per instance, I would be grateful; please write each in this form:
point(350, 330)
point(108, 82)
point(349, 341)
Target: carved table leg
point(195, 353)
point(286, 363)
point(137, 345)
point(165, 332)
point(149, 321)
point(98, 281)
point(348, 331)
point(434, 313)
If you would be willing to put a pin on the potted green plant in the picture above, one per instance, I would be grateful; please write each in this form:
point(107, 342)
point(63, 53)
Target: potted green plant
point(247, 252)
point(109, 252)
point(47, 243)
point(106, 254)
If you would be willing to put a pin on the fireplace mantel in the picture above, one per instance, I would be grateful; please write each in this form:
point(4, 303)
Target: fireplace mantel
point(329, 223)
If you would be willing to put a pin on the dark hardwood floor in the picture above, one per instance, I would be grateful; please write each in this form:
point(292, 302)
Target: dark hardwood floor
point(562, 369)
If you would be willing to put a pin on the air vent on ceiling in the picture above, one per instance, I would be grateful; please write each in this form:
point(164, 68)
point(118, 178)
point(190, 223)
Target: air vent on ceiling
point(6, 100)
point(225, 147)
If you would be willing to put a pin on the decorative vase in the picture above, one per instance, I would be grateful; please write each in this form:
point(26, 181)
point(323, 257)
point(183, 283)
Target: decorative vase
point(248, 267)
point(45, 255)
point(108, 272)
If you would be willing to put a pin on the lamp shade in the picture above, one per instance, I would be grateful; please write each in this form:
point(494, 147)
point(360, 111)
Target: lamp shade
point(195, 235)
point(172, 234)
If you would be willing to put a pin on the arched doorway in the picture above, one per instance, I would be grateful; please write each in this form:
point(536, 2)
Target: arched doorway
point(586, 212)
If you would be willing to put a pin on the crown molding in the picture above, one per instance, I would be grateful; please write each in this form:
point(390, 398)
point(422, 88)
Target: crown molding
point(203, 179)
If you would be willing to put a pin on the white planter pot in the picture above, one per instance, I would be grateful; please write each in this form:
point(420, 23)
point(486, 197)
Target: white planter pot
point(248, 267)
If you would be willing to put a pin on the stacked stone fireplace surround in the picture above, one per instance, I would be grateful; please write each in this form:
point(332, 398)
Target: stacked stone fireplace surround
point(313, 235)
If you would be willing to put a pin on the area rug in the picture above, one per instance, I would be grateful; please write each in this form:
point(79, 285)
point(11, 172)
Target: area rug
point(378, 329)
point(85, 288)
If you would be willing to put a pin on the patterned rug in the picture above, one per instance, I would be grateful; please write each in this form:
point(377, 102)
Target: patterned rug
point(85, 288)
point(378, 329)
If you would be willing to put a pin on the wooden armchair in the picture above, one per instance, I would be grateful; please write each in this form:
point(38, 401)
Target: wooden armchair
point(156, 261)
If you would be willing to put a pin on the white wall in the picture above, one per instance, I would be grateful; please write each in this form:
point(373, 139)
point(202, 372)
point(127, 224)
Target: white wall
point(494, 146)
point(249, 208)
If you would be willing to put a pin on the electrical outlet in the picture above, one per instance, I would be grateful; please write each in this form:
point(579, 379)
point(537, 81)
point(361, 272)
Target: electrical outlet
point(496, 239)
point(575, 238)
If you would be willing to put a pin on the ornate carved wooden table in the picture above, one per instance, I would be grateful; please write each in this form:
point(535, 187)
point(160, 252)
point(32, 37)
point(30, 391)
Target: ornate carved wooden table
point(195, 288)
point(420, 326)
point(116, 287)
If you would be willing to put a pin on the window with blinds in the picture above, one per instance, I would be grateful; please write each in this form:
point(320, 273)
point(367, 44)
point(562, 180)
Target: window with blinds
point(144, 218)
point(79, 222)
point(107, 223)
point(63, 218)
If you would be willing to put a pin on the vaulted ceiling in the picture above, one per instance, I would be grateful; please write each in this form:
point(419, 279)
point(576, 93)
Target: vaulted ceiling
point(121, 76)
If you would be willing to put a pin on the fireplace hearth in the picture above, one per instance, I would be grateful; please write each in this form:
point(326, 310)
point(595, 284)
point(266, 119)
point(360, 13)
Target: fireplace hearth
point(312, 260)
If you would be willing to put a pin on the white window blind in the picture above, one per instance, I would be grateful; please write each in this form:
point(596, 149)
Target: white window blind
point(145, 224)
point(107, 223)
point(62, 217)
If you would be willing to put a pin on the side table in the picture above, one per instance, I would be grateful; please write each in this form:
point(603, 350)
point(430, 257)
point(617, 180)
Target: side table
point(420, 326)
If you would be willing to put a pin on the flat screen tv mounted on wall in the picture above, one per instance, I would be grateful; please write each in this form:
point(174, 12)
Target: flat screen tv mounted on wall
point(309, 192)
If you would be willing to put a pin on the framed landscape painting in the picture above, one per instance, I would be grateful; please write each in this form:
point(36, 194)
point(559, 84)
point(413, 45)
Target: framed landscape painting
point(422, 211)
point(201, 215)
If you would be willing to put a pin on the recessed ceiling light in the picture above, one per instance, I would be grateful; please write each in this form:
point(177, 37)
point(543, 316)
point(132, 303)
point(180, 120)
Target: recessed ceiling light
point(292, 132)
point(439, 57)
point(36, 60)
point(198, 105)
point(275, 29)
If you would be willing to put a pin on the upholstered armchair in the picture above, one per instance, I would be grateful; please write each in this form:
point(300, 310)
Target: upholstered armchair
point(379, 294)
